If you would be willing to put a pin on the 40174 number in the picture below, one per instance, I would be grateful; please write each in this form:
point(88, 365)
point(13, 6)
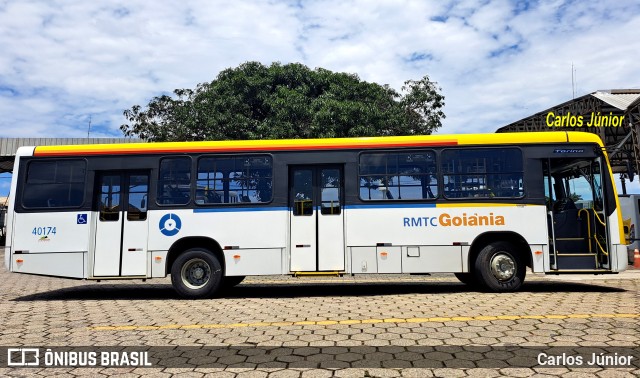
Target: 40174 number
point(44, 231)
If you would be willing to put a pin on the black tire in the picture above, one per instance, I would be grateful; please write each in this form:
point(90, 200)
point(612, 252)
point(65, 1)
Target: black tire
point(196, 273)
point(499, 268)
point(467, 278)
point(231, 281)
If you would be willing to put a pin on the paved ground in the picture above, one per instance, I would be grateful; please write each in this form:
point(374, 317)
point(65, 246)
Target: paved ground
point(377, 326)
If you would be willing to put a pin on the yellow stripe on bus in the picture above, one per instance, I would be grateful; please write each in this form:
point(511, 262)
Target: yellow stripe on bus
point(320, 144)
point(471, 205)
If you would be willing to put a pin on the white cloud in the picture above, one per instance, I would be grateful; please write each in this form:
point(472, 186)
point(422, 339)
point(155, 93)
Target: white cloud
point(497, 62)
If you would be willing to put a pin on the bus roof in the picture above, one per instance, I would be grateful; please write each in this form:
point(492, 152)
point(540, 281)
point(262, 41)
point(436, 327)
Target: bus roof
point(318, 144)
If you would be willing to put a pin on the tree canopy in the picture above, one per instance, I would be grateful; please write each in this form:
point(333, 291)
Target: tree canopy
point(254, 101)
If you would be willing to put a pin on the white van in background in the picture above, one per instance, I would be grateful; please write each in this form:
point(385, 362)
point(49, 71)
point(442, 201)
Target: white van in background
point(630, 206)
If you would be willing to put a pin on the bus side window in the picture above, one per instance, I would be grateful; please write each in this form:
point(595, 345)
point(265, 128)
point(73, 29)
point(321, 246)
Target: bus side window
point(109, 213)
point(174, 181)
point(138, 189)
point(109, 201)
point(482, 173)
point(398, 176)
point(54, 184)
point(234, 179)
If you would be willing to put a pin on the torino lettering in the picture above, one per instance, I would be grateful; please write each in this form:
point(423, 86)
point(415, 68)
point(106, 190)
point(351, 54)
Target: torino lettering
point(446, 220)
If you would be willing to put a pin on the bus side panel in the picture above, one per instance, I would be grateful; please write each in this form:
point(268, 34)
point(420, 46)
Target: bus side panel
point(52, 232)
point(249, 228)
point(441, 225)
point(58, 235)
point(433, 259)
point(253, 262)
point(69, 264)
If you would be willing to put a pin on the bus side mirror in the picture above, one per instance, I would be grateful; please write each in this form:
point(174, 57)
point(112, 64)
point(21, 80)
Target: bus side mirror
point(143, 204)
point(630, 172)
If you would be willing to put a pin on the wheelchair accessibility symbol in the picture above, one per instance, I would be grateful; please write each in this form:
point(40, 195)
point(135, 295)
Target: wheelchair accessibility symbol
point(82, 219)
point(170, 224)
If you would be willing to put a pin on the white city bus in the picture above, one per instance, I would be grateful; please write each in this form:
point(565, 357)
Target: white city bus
point(484, 207)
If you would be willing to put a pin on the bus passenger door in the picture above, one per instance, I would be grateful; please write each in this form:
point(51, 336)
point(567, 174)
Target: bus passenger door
point(576, 215)
point(317, 218)
point(122, 227)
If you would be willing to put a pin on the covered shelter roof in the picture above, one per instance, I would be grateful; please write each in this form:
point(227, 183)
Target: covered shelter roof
point(9, 146)
point(621, 140)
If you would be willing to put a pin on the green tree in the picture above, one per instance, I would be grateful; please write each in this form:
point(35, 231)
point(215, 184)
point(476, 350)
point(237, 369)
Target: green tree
point(575, 197)
point(254, 101)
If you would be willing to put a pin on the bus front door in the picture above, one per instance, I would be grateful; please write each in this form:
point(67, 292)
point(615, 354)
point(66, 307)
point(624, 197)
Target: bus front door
point(317, 218)
point(121, 228)
point(576, 215)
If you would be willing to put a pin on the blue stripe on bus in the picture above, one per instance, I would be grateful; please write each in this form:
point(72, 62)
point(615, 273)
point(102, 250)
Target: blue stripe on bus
point(392, 206)
point(238, 209)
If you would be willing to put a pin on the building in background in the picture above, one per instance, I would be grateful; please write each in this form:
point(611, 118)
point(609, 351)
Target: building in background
point(612, 114)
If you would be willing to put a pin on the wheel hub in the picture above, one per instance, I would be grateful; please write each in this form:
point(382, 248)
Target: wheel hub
point(195, 273)
point(503, 266)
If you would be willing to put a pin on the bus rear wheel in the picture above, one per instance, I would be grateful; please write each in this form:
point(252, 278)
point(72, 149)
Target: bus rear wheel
point(196, 273)
point(499, 268)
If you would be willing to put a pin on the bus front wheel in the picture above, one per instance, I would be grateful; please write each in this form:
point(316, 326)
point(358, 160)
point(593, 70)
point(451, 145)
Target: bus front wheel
point(196, 273)
point(499, 268)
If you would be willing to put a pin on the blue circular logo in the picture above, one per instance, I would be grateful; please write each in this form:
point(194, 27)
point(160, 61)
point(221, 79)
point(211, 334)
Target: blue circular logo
point(170, 224)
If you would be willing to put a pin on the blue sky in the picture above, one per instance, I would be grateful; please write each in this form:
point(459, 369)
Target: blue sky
point(64, 62)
